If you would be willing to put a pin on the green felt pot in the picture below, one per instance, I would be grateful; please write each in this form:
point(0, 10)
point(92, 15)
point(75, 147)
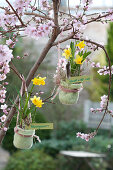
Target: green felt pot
point(23, 139)
point(69, 98)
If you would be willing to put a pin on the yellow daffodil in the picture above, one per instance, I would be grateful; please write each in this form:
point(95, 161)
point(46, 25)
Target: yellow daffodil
point(81, 44)
point(78, 59)
point(36, 101)
point(39, 81)
point(67, 53)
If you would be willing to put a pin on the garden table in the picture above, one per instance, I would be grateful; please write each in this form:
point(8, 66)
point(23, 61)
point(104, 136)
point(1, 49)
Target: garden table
point(83, 155)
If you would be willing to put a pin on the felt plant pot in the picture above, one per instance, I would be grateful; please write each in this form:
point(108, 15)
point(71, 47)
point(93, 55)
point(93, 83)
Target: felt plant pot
point(23, 139)
point(69, 93)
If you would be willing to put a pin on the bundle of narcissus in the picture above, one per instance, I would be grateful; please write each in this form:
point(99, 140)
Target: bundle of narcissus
point(23, 137)
point(70, 70)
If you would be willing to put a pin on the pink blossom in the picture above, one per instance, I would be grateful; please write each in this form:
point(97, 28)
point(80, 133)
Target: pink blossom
point(105, 70)
point(84, 18)
point(103, 102)
point(44, 4)
point(93, 64)
point(86, 137)
point(5, 53)
point(2, 77)
point(6, 83)
point(6, 70)
point(31, 32)
point(3, 118)
point(3, 106)
point(86, 8)
point(65, 21)
point(2, 100)
point(78, 25)
point(10, 43)
point(41, 31)
point(5, 111)
point(18, 57)
point(5, 129)
point(33, 8)
point(62, 64)
point(41, 92)
point(2, 93)
point(21, 5)
point(96, 65)
point(50, 24)
point(91, 109)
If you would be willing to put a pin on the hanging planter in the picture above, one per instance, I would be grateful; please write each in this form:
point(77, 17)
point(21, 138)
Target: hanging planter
point(69, 93)
point(23, 135)
point(23, 139)
point(71, 67)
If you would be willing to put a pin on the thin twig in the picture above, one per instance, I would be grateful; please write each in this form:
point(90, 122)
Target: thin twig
point(15, 71)
point(15, 13)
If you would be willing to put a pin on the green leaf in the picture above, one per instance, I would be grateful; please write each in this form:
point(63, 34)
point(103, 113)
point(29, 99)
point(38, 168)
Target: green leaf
point(27, 98)
point(28, 110)
point(72, 48)
point(80, 53)
point(16, 106)
point(86, 54)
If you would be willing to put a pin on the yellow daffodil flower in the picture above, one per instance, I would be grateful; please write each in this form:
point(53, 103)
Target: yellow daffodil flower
point(39, 81)
point(36, 101)
point(81, 44)
point(78, 59)
point(67, 53)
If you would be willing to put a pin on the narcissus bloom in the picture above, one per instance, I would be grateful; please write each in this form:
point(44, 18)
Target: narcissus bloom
point(78, 59)
point(67, 53)
point(39, 81)
point(36, 101)
point(81, 44)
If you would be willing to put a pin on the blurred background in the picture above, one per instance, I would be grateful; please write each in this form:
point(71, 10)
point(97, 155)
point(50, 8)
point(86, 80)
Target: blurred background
point(68, 120)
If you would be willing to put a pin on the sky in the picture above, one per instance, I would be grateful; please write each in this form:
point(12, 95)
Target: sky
point(96, 3)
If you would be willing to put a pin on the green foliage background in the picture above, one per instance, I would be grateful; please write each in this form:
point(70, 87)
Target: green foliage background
point(31, 160)
point(100, 83)
point(65, 139)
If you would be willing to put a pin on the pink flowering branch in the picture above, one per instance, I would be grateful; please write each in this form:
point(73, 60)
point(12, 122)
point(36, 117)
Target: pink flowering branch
point(32, 14)
point(15, 13)
point(110, 76)
point(44, 25)
point(34, 68)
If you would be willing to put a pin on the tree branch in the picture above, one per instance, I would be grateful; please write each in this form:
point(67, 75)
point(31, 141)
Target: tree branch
point(110, 76)
point(15, 71)
point(63, 40)
point(38, 15)
point(55, 33)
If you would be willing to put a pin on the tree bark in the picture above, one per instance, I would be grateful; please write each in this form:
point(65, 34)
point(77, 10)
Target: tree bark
point(33, 70)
